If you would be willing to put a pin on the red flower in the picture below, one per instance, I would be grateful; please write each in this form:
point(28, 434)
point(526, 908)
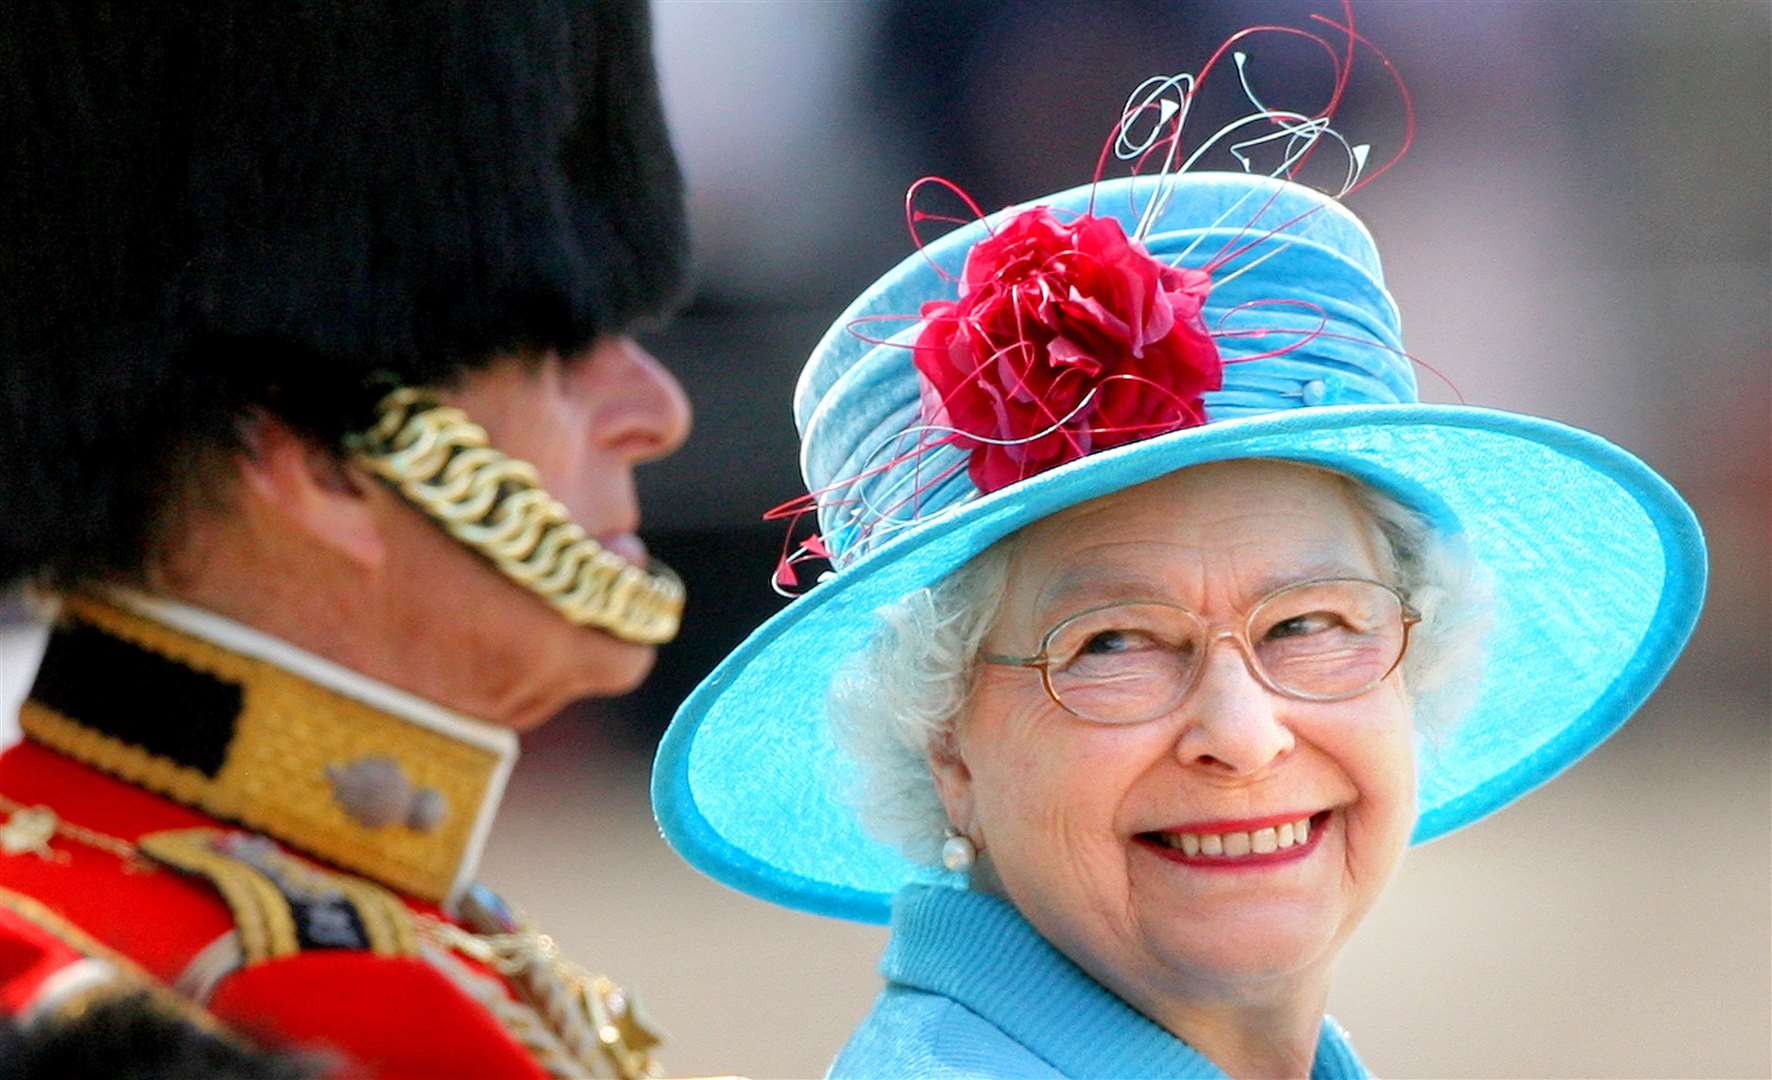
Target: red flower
point(1069, 329)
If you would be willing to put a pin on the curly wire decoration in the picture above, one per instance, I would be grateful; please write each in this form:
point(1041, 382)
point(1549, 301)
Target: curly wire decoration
point(1171, 113)
point(1149, 131)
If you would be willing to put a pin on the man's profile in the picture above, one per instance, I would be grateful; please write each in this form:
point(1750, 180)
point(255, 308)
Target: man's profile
point(322, 407)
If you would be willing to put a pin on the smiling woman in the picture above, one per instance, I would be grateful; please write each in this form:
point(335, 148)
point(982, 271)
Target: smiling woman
point(1193, 826)
point(1072, 818)
point(1164, 618)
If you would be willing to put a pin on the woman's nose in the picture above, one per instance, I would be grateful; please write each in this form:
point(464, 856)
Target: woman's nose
point(1232, 721)
point(652, 417)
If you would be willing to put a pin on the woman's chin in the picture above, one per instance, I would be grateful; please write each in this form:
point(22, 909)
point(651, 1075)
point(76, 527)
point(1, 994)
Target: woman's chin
point(1240, 922)
point(1243, 959)
point(1254, 944)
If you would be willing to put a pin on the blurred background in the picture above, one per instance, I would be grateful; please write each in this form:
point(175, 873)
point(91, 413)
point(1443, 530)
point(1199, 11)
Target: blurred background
point(1582, 231)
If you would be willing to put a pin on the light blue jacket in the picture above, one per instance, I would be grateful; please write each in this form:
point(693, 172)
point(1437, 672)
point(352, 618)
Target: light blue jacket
point(972, 990)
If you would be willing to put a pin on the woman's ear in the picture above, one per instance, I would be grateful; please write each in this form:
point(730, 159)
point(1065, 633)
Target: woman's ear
point(953, 782)
point(316, 493)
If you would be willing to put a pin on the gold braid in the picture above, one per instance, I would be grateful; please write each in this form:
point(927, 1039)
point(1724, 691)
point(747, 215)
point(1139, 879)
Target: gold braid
point(573, 1021)
point(443, 463)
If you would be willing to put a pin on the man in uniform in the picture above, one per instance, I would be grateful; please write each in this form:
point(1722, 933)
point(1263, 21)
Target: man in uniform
point(320, 411)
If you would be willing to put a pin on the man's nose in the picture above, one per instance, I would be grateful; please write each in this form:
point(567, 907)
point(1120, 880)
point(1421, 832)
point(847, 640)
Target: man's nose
point(654, 416)
point(1233, 724)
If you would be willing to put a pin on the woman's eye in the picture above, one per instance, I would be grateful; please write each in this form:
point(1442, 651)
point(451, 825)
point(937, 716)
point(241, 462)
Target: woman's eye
point(1106, 641)
point(1117, 642)
point(1303, 625)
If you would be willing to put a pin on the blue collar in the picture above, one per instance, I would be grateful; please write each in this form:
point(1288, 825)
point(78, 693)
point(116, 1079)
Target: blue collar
point(979, 951)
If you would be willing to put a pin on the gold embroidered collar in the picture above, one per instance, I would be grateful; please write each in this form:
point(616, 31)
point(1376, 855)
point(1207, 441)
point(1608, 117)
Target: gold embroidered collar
point(249, 728)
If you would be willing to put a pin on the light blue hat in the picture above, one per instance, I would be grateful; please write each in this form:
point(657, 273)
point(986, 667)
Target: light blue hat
point(1598, 566)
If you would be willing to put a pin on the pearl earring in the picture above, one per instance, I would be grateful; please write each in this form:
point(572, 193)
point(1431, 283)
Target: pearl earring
point(958, 851)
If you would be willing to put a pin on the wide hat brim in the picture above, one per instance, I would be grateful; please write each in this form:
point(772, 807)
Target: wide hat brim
point(1598, 570)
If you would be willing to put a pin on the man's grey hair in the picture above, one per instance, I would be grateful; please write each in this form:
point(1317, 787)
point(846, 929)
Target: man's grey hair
point(903, 692)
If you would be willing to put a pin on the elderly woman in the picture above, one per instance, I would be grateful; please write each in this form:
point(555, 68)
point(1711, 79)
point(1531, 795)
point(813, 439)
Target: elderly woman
point(1163, 619)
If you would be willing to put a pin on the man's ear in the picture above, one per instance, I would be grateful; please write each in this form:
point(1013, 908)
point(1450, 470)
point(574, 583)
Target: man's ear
point(953, 782)
point(303, 487)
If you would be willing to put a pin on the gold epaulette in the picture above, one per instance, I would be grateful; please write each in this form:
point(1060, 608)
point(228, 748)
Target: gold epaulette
point(283, 905)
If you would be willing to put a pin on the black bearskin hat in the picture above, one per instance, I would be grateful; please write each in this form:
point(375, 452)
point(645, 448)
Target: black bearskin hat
point(213, 209)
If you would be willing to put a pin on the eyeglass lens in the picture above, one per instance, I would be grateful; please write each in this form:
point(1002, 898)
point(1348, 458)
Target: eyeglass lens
point(1128, 663)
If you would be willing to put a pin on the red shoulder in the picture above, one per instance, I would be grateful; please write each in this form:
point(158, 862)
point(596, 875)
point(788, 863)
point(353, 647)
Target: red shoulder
point(31, 955)
point(51, 970)
point(157, 918)
point(396, 1014)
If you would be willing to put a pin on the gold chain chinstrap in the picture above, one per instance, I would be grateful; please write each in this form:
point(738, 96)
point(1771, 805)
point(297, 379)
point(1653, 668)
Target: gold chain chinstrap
point(441, 461)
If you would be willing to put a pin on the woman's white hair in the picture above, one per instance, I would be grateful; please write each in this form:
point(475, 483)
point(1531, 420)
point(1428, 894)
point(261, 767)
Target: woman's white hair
point(902, 693)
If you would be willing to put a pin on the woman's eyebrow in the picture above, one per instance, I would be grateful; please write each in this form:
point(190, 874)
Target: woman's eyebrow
point(1100, 583)
point(1103, 583)
point(1313, 571)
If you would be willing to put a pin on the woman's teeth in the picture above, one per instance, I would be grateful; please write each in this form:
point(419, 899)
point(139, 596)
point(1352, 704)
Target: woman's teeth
point(1231, 845)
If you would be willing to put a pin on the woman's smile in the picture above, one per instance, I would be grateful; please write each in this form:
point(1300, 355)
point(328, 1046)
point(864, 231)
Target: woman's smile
point(1251, 844)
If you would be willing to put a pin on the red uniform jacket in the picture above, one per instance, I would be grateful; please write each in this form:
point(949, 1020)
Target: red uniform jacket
point(273, 843)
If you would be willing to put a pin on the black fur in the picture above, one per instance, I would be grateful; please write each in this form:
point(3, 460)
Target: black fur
point(131, 1039)
point(214, 208)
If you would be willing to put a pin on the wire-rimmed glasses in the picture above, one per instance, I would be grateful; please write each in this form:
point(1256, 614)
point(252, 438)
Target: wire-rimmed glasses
point(1328, 639)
